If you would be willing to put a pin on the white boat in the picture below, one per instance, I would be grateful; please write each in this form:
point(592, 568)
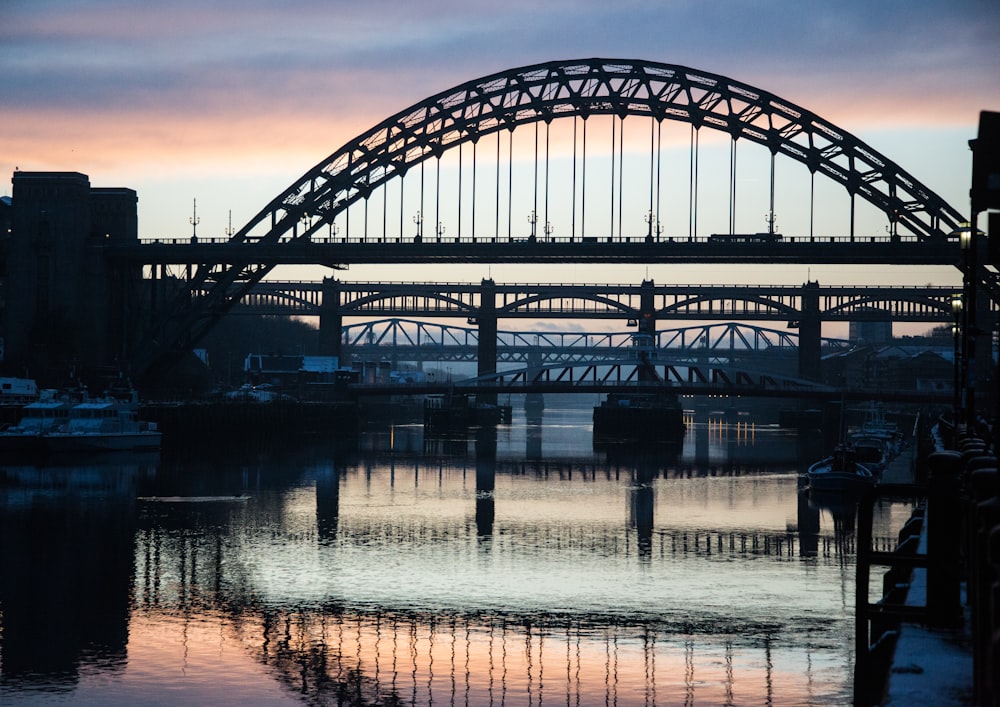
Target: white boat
point(841, 471)
point(38, 418)
point(103, 424)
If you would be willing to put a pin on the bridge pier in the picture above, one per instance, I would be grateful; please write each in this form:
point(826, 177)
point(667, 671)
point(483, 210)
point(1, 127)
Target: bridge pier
point(331, 321)
point(486, 468)
point(647, 331)
point(328, 503)
point(486, 353)
point(534, 403)
point(810, 334)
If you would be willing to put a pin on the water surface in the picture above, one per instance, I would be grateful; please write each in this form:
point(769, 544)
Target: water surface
point(515, 568)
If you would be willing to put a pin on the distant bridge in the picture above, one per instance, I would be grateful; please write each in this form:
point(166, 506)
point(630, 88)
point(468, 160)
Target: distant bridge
point(785, 303)
point(407, 340)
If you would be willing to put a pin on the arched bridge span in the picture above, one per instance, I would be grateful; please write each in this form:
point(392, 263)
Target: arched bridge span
point(544, 92)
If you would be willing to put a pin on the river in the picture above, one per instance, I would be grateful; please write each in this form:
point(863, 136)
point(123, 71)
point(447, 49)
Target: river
point(515, 568)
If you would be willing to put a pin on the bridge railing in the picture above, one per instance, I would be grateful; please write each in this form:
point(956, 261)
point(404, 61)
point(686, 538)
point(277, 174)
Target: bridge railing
point(638, 240)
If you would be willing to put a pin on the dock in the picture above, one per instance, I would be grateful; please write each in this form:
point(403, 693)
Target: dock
point(913, 657)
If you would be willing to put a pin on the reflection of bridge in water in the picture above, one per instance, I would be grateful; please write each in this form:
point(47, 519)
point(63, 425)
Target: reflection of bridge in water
point(331, 648)
point(209, 560)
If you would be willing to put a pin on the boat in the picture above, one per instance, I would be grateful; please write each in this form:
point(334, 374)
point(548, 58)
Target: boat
point(104, 424)
point(877, 441)
point(841, 471)
point(877, 426)
point(449, 413)
point(646, 418)
point(38, 418)
point(874, 451)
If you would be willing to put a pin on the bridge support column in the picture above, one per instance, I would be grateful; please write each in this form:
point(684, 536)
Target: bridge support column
point(534, 403)
point(328, 503)
point(331, 321)
point(810, 333)
point(647, 332)
point(486, 353)
point(486, 464)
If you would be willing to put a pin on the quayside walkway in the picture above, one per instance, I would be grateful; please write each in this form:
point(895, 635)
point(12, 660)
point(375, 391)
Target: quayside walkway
point(932, 638)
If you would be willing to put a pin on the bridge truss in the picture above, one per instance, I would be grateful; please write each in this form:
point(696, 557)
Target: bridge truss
point(409, 340)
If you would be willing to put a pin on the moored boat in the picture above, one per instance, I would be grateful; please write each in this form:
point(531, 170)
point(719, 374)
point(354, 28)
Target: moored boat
point(841, 471)
point(873, 451)
point(656, 418)
point(104, 424)
point(38, 418)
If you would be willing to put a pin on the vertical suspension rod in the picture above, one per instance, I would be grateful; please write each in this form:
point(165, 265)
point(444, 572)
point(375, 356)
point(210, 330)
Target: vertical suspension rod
point(496, 225)
point(583, 185)
point(852, 217)
point(652, 179)
point(572, 218)
point(732, 186)
point(770, 213)
point(437, 200)
point(611, 232)
point(475, 143)
point(534, 203)
point(621, 173)
point(458, 230)
point(812, 202)
point(659, 163)
point(545, 229)
point(510, 181)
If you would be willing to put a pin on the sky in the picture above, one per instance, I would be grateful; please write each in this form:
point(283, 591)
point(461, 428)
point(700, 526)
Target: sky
point(231, 101)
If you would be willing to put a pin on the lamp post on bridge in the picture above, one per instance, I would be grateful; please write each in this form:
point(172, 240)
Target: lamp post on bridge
point(651, 220)
point(770, 218)
point(419, 220)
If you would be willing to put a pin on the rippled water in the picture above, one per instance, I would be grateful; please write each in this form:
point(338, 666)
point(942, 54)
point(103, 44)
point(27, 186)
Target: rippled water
point(521, 569)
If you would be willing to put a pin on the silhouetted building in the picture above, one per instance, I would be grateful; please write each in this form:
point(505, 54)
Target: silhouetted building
point(870, 333)
point(905, 368)
point(68, 306)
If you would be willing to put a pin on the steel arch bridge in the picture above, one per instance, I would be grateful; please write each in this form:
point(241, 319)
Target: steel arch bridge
point(531, 95)
point(543, 92)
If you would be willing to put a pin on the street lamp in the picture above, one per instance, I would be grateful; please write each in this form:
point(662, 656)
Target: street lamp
point(968, 242)
point(419, 220)
point(956, 330)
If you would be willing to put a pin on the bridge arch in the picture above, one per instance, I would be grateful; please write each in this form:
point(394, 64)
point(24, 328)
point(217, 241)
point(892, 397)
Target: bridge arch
point(357, 306)
point(872, 301)
point(772, 305)
point(581, 88)
point(523, 303)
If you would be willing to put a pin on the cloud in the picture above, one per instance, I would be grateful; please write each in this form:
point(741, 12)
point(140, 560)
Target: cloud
point(246, 86)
